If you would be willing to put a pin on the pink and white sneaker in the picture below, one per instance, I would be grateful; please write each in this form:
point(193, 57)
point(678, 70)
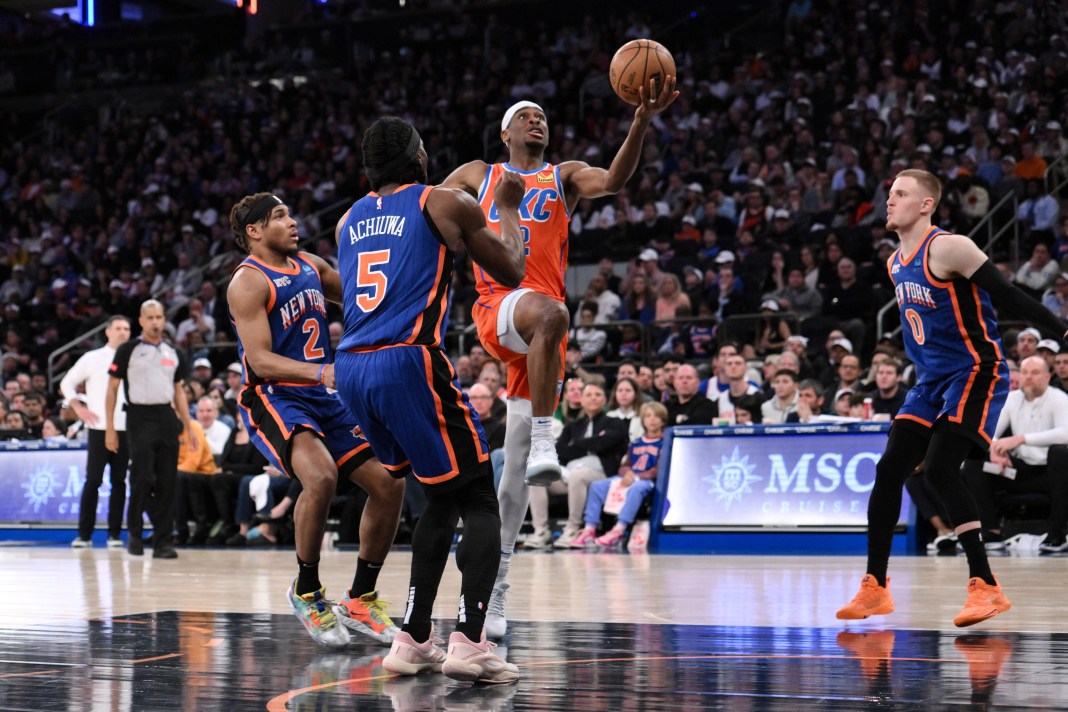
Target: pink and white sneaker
point(407, 657)
point(583, 539)
point(611, 537)
point(476, 662)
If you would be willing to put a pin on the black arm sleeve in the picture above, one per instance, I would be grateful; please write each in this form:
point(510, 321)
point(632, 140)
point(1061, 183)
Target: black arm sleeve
point(1017, 303)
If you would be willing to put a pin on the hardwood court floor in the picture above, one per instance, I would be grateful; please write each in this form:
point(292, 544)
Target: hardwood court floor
point(100, 630)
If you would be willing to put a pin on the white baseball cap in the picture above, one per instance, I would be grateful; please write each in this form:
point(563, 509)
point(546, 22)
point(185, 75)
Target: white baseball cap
point(1031, 331)
point(202, 363)
point(844, 343)
point(1050, 344)
point(516, 107)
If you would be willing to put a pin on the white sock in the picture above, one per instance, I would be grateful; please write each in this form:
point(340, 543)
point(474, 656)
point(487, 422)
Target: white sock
point(541, 428)
point(512, 493)
point(502, 571)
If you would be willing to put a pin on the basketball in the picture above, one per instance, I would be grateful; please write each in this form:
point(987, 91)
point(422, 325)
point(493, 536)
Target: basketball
point(634, 64)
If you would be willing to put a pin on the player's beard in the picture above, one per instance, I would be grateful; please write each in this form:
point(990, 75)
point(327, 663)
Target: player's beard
point(891, 225)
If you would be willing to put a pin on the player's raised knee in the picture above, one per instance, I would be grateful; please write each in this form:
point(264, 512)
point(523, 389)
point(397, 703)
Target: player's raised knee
point(554, 318)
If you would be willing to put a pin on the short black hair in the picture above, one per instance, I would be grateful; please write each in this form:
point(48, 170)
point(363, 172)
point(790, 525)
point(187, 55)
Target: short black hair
point(385, 144)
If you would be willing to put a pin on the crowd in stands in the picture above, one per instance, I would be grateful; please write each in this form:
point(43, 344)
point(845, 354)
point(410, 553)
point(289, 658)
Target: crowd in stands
point(740, 271)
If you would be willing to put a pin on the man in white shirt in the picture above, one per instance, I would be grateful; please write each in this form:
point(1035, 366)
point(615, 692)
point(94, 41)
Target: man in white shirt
point(734, 368)
point(197, 321)
point(1038, 417)
point(92, 371)
point(775, 410)
point(216, 431)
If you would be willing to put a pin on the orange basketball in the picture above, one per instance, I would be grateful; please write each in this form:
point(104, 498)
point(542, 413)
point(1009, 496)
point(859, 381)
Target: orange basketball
point(635, 63)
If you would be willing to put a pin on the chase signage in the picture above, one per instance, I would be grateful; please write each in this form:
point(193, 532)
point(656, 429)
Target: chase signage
point(807, 477)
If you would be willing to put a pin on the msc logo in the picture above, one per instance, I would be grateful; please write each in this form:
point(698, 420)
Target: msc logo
point(282, 282)
point(731, 478)
point(40, 487)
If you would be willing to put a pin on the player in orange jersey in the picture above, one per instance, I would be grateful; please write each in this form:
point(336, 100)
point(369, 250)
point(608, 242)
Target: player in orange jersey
point(527, 327)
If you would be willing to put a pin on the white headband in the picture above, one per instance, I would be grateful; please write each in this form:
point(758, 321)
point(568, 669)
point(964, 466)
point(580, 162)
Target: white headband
point(516, 107)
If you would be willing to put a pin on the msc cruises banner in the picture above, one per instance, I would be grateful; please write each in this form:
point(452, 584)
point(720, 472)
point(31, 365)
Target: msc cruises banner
point(42, 482)
point(806, 476)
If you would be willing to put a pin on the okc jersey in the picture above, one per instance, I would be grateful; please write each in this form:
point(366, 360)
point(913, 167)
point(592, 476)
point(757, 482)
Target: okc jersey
point(948, 327)
point(296, 312)
point(390, 295)
point(543, 220)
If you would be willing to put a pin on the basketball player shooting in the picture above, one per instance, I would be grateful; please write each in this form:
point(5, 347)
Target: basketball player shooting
point(946, 288)
point(527, 327)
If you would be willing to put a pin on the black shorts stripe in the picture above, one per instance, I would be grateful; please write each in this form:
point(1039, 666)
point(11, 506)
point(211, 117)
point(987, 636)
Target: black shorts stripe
point(459, 426)
point(269, 427)
point(979, 395)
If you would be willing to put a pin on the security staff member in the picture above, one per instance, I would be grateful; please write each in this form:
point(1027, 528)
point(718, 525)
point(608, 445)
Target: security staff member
point(153, 374)
point(92, 370)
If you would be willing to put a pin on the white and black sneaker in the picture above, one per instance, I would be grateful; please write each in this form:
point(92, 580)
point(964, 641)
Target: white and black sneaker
point(1053, 543)
point(80, 543)
point(946, 543)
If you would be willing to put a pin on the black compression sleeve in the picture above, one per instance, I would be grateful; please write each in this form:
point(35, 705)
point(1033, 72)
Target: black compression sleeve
point(1017, 303)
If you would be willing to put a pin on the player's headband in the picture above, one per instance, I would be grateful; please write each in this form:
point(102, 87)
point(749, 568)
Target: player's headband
point(410, 153)
point(260, 208)
point(516, 107)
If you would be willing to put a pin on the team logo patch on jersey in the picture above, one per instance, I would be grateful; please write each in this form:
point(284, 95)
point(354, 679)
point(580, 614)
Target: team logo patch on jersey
point(895, 269)
point(282, 281)
point(546, 178)
point(378, 203)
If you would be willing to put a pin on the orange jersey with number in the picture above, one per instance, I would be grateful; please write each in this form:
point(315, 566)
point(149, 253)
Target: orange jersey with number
point(543, 220)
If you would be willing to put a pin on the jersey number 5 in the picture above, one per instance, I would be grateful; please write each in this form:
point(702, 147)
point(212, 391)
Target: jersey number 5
point(367, 277)
point(916, 324)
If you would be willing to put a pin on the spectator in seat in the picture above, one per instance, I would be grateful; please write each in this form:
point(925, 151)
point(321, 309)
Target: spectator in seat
point(195, 469)
point(590, 447)
point(689, 406)
point(625, 404)
point(776, 409)
point(482, 401)
point(889, 394)
point(1037, 274)
point(796, 296)
point(1038, 418)
point(590, 339)
point(734, 368)
point(637, 475)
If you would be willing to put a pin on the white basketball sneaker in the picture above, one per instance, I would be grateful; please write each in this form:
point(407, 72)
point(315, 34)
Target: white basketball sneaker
point(543, 464)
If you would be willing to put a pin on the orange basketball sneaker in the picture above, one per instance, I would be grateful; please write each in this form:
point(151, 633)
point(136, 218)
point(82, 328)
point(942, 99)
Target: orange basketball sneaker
point(871, 600)
point(984, 601)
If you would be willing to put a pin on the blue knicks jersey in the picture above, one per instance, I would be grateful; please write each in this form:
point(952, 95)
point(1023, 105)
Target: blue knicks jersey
point(296, 312)
point(948, 327)
point(644, 454)
point(395, 272)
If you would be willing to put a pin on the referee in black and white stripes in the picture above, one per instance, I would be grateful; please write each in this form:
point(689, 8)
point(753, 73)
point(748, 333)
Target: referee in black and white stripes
point(153, 375)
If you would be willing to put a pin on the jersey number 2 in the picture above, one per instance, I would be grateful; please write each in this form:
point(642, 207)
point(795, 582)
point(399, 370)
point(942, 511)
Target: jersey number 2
point(312, 351)
point(367, 277)
point(916, 324)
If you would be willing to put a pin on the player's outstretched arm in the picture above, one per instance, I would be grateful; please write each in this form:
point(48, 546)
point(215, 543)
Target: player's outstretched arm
point(460, 220)
point(247, 296)
point(590, 182)
point(953, 255)
point(467, 178)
